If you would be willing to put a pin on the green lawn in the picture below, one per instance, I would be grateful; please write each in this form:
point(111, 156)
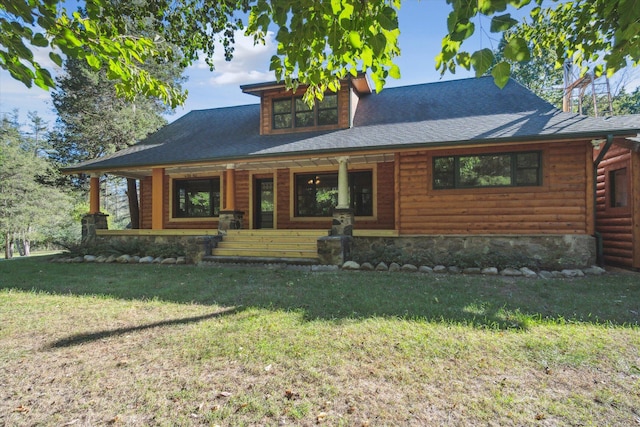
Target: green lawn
point(96, 344)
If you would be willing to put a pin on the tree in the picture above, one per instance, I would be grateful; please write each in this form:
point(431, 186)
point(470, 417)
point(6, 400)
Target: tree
point(627, 103)
point(319, 42)
point(93, 121)
point(29, 209)
point(538, 74)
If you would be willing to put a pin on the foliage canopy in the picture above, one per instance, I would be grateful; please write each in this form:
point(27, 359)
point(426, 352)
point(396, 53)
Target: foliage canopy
point(319, 42)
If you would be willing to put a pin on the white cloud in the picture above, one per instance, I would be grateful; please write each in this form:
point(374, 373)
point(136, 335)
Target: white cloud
point(250, 64)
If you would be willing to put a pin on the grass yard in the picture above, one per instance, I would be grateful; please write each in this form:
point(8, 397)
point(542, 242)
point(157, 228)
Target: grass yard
point(105, 344)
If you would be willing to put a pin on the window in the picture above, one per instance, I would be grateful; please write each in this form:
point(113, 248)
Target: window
point(295, 113)
point(487, 170)
point(196, 198)
point(618, 188)
point(317, 194)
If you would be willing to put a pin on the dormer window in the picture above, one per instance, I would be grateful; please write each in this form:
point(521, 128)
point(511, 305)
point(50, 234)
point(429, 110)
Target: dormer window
point(293, 112)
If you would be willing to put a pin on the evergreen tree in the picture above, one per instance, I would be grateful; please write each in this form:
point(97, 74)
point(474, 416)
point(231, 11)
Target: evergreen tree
point(93, 121)
point(30, 209)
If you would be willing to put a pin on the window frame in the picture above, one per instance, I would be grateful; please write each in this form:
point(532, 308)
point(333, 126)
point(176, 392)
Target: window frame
point(352, 173)
point(214, 202)
point(611, 188)
point(294, 112)
point(513, 172)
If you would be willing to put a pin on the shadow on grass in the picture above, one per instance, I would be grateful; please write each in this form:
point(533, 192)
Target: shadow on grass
point(78, 339)
point(477, 301)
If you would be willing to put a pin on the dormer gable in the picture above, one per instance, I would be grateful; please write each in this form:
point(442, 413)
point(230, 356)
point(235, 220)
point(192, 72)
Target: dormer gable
point(284, 111)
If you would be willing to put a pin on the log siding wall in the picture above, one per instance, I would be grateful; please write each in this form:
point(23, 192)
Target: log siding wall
point(619, 226)
point(563, 204)
point(145, 203)
point(559, 206)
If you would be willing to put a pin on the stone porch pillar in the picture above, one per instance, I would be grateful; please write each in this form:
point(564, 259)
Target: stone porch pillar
point(90, 223)
point(94, 220)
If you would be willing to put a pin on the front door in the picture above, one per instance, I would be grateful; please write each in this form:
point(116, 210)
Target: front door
point(263, 206)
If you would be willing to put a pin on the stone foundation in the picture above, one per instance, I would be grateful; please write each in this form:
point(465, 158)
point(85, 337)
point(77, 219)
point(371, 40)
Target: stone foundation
point(334, 250)
point(537, 252)
point(193, 248)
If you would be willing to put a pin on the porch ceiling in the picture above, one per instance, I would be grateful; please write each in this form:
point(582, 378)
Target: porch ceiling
point(267, 164)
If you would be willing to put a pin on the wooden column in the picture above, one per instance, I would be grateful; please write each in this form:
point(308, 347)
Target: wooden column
point(230, 188)
point(343, 183)
point(94, 194)
point(157, 193)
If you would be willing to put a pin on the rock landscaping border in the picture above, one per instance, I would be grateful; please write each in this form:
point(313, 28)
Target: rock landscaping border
point(525, 272)
point(120, 259)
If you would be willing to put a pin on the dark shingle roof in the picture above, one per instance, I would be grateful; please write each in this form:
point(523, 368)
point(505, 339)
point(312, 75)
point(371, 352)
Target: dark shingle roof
point(443, 113)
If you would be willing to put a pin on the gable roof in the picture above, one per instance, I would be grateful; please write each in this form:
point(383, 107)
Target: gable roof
point(434, 114)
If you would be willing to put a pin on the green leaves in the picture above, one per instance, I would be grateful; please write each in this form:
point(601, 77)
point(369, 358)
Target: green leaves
point(501, 73)
point(502, 23)
point(323, 42)
point(517, 49)
point(319, 42)
point(482, 61)
point(580, 30)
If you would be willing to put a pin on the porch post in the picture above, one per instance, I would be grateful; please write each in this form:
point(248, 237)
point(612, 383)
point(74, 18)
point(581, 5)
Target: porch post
point(343, 217)
point(94, 220)
point(230, 188)
point(94, 194)
point(343, 183)
point(157, 208)
point(230, 218)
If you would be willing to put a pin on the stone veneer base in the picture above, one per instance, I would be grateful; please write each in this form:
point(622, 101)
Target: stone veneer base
point(549, 252)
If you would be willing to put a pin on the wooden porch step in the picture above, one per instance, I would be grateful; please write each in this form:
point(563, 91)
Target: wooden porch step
point(278, 233)
point(269, 244)
point(258, 260)
point(271, 239)
point(263, 252)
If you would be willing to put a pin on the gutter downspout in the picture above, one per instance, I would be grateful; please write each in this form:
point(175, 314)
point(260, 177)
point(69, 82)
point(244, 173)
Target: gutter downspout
point(596, 234)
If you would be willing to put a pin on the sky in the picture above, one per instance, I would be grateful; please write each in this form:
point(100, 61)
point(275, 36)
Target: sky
point(422, 25)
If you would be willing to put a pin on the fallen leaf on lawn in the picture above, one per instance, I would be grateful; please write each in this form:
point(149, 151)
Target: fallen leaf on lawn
point(22, 409)
point(114, 420)
point(291, 395)
point(321, 416)
point(224, 394)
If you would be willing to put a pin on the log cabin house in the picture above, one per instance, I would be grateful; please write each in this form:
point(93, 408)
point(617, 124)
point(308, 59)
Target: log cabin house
point(457, 172)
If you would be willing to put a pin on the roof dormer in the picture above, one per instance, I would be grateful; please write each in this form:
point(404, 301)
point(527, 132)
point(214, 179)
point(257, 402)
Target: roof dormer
point(284, 111)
